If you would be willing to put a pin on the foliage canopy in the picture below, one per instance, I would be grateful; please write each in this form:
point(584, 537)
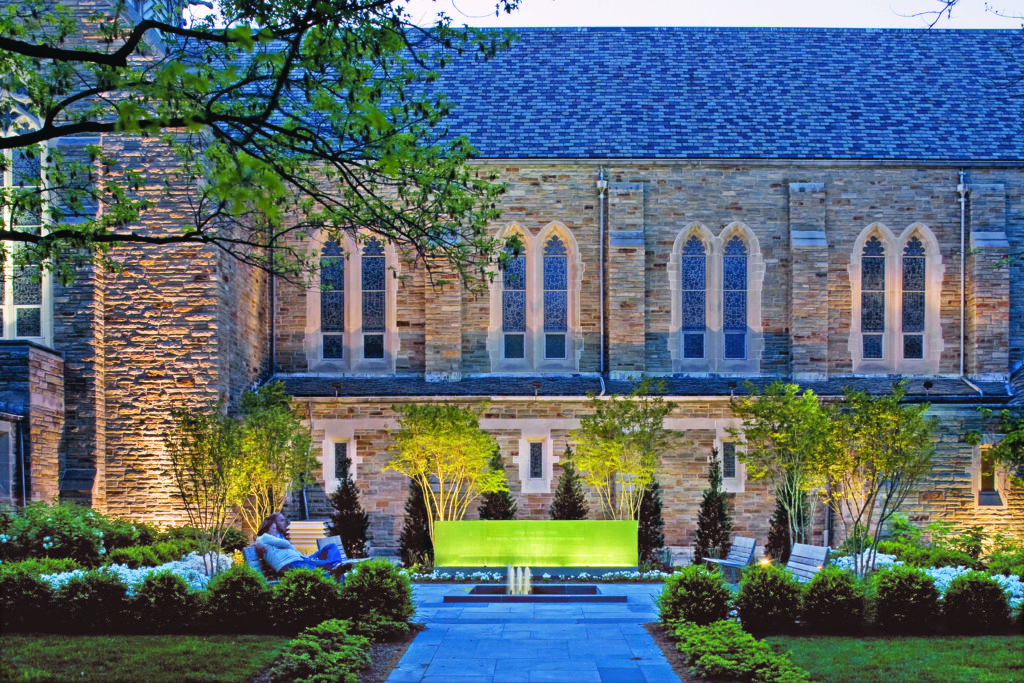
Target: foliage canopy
point(442, 448)
point(282, 118)
point(618, 446)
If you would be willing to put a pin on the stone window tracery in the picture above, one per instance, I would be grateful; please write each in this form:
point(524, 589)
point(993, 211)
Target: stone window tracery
point(24, 290)
point(734, 298)
point(556, 298)
point(716, 302)
point(350, 316)
point(513, 308)
point(534, 306)
point(694, 294)
point(896, 281)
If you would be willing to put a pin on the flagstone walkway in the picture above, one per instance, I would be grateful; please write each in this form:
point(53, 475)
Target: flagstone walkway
point(535, 642)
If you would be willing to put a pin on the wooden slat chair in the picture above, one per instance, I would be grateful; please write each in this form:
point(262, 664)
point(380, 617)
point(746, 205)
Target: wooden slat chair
point(806, 560)
point(740, 555)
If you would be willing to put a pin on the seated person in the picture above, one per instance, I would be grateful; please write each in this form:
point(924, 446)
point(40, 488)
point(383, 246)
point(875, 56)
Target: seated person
point(273, 546)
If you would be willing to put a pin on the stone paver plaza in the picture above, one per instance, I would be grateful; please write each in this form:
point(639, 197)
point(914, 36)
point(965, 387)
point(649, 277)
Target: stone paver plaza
point(535, 642)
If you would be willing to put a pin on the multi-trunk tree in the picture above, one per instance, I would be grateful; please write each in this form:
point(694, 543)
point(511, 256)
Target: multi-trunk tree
point(618, 446)
point(280, 118)
point(443, 450)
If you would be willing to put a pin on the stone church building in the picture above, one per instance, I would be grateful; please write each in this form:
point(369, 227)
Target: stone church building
point(835, 208)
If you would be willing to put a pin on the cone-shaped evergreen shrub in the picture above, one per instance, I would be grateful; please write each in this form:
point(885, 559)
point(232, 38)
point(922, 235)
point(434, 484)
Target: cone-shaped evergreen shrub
point(651, 526)
point(497, 504)
point(348, 519)
point(414, 544)
point(570, 501)
point(779, 542)
point(714, 525)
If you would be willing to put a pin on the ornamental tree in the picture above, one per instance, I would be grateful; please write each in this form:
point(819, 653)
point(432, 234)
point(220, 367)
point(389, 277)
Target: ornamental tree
point(443, 450)
point(885, 449)
point(205, 451)
point(618, 446)
point(786, 439)
point(349, 520)
point(276, 454)
point(281, 118)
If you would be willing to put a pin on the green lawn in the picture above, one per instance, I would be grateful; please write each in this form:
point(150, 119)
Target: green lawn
point(977, 659)
point(132, 659)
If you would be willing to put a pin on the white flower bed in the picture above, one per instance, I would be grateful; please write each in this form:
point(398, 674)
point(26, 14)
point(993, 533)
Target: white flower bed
point(190, 568)
point(944, 576)
point(501, 577)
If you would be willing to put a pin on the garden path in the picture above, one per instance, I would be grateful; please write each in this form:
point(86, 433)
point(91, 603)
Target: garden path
point(535, 642)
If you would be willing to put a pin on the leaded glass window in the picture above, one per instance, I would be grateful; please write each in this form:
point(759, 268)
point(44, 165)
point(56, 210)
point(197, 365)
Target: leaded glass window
point(513, 307)
point(872, 297)
point(21, 287)
point(693, 288)
point(734, 298)
point(332, 300)
point(913, 298)
point(341, 461)
point(728, 460)
point(556, 298)
point(373, 281)
point(536, 460)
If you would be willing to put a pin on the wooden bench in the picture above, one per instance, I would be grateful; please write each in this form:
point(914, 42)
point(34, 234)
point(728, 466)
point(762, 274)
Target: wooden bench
point(254, 561)
point(740, 555)
point(806, 560)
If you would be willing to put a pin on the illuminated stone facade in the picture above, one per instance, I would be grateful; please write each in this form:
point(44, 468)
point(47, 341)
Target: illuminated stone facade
point(771, 224)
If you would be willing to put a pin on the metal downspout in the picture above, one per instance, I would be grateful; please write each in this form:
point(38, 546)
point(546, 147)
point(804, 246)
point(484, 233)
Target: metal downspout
point(21, 460)
point(962, 189)
point(602, 185)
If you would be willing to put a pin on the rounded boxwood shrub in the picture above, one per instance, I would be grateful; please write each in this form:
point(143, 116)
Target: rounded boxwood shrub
point(768, 600)
point(906, 599)
point(93, 602)
point(238, 600)
point(164, 603)
point(834, 601)
point(377, 586)
point(975, 603)
point(25, 600)
point(304, 598)
point(694, 594)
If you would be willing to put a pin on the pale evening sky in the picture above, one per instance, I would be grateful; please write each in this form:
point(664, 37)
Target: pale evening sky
point(1004, 14)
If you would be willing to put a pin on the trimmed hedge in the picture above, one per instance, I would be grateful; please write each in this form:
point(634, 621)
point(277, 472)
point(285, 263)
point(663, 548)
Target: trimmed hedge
point(834, 601)
point(906, 600)
point(769, 599)
point(975, 603)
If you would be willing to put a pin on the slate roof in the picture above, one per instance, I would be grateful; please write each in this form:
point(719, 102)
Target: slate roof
point(778, 93)
point(941, 391)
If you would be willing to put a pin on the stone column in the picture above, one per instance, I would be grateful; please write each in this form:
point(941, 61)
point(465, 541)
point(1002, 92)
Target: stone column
point(626, 283)
point(443, 327)
point(987, 318)
point(808, 301)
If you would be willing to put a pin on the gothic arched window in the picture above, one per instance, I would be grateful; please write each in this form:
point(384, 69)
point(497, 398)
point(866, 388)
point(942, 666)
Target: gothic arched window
point(734, 298)
point(374, 281)
point(513, 307)
point(556, 298)
point(332, 300)
point(22, 288)
point(872, 298)
point(693, 288)
point(913, 298)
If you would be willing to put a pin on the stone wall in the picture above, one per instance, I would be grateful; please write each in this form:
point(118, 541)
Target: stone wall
point(32, 386)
